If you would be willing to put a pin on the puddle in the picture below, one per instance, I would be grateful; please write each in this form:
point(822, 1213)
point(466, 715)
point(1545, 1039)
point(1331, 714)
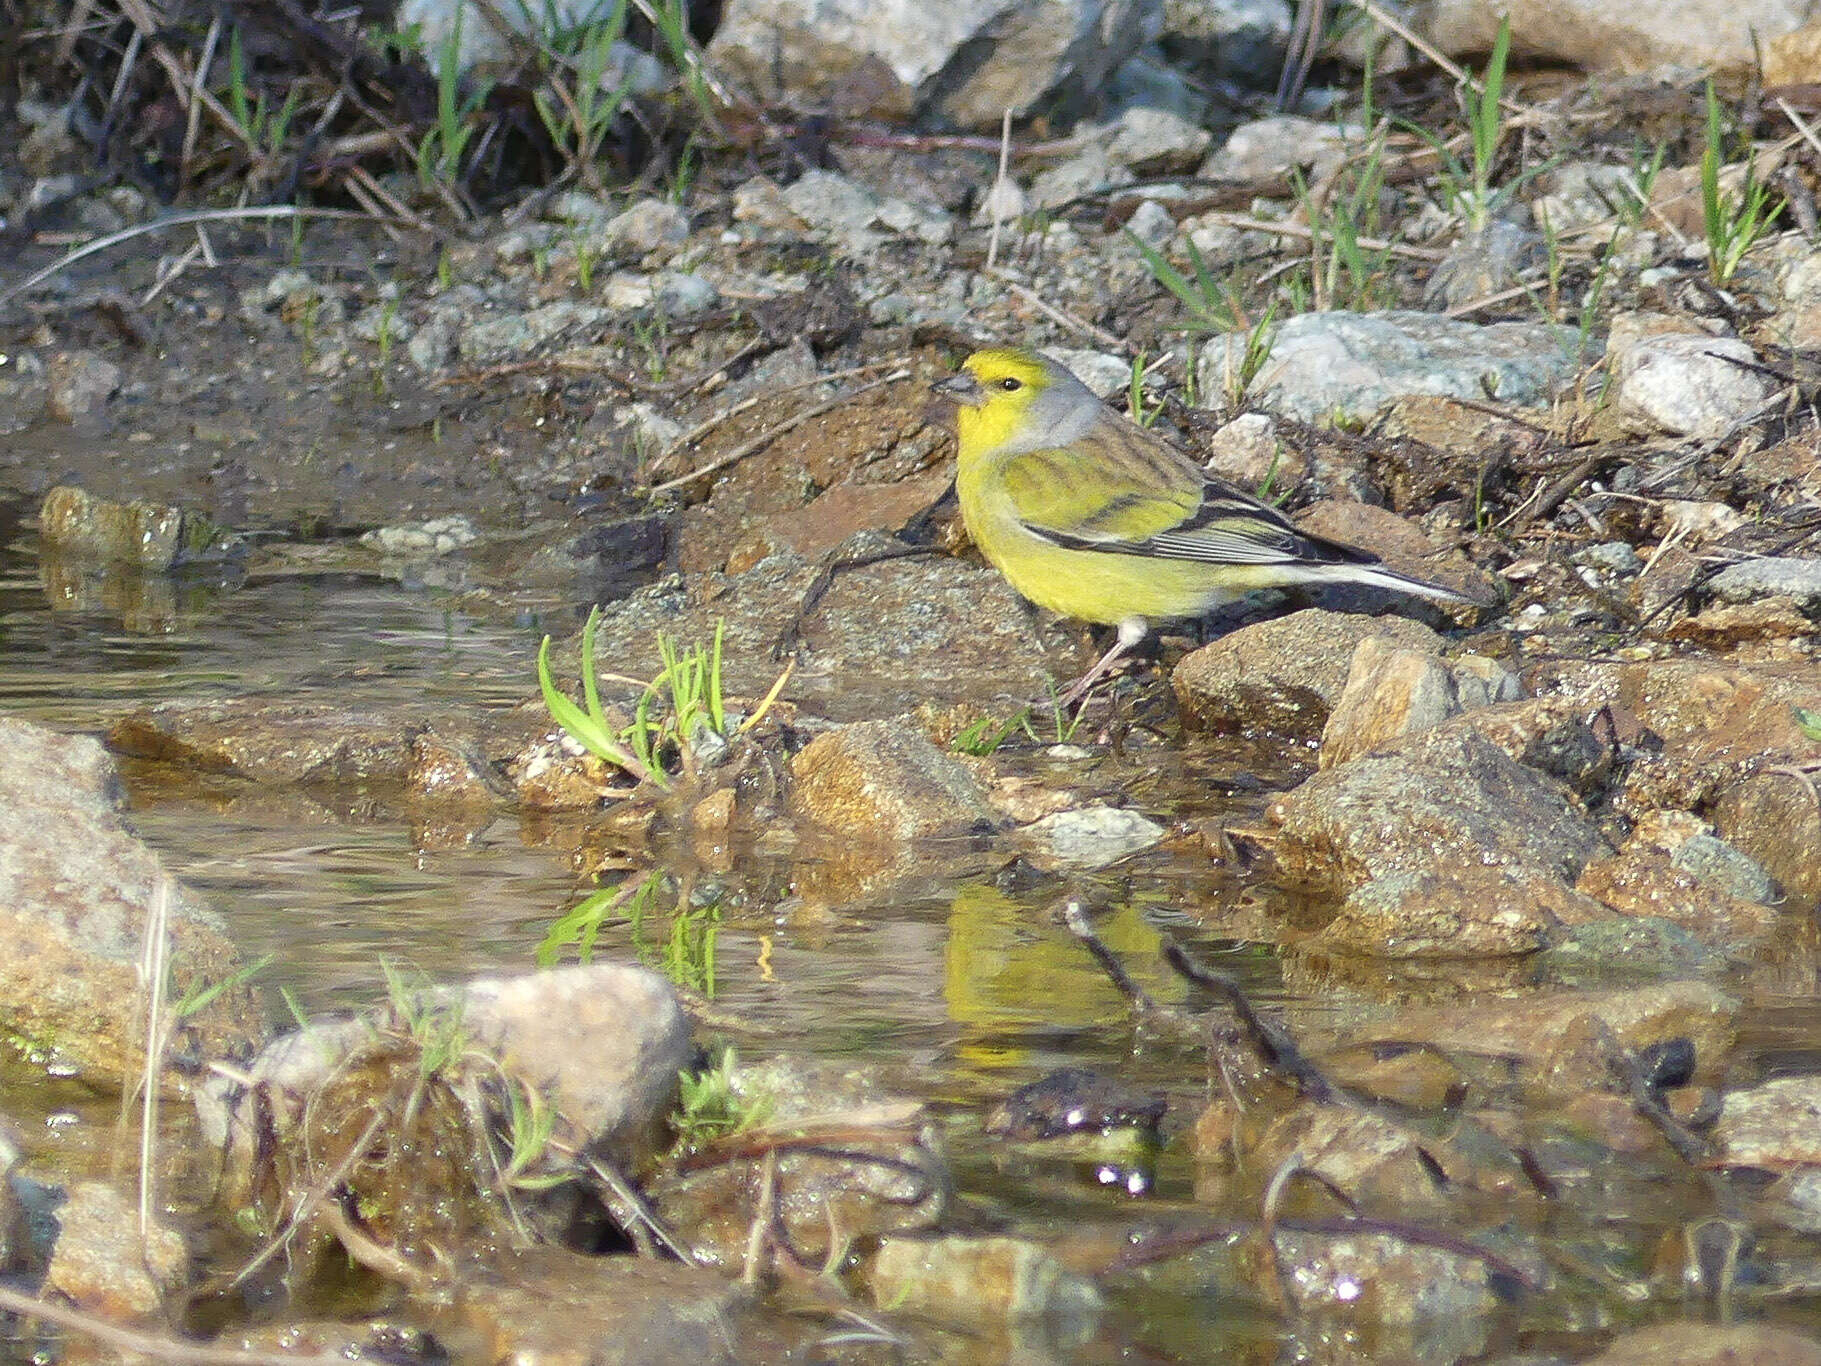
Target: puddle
point(962, 988)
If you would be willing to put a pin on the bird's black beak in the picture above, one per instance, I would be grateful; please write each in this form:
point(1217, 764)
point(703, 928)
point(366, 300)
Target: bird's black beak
point(961, 388)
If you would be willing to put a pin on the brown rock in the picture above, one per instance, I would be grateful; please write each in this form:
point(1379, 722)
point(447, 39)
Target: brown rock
point(270, 742)
point(547, 1307)
point(1457, 910)
point(76, 891)
point(1390, 692)
point(76, 523)
point(1535, 1030)
point(1445, 797)
point(452, 772)
point(1727, 624)
point(972, 1278)
point(1775, 818)
point(882, 781)
point(101, 1263)
point(1284, 675)
point(1642, 881)
point(1776, 1125)
point(80, 382)
point(1711, 1344)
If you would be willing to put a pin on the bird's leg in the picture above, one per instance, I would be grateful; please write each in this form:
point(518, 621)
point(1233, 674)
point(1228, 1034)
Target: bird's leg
point(1131, 631)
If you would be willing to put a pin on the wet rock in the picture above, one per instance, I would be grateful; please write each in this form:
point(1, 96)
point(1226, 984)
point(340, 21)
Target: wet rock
point(1631, 946)
point(1447, 796)
point(76, 890)
point(1776, 1125)
point(452, 772)
point(1686, 385)
point(603, 1043)
point(272, 743)
point(1715, 863)
point(385, 1339)
point(1701, 1343)
point(854, 1161)
point(1389, 692)
point(884, 781)
point(1774, 819)
point(1641, 37)
point(1779, 575)
point(80, 382)
point(1547, 1033)
point(546, 1307)
point(1341, 365)
point(964, 63)
point(102, 1264)
point(1283, 675)
point(1377, 1278)
point(1068, 1101)
point(1643, 882)
point(974, 1278)
point(1091, 837)
point(1455, 912)
point(1549, 734)
point(438, 536)
point(76, 523)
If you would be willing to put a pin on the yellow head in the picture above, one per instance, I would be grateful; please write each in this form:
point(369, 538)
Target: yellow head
point(1015, 400)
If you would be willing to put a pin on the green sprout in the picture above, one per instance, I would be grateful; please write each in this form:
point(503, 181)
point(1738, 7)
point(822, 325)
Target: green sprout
point(1735, 223)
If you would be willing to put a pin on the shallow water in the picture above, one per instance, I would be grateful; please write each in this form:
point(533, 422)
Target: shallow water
point(959, 984)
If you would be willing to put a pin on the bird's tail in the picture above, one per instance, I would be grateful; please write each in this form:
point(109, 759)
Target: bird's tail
point(1378, 576)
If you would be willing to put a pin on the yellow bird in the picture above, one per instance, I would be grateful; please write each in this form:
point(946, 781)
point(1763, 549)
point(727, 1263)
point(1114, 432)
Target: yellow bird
point(1095, 518)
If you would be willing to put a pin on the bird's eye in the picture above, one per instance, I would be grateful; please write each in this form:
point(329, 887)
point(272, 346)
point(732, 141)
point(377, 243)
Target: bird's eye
point(1011, 385)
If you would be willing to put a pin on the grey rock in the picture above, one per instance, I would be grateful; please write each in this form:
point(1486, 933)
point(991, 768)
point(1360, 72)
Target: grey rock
point(517, 334)
point(1483, 262)
point(1325, 366)
point(80, 382)
point(965, 62)
point(1243, 39)
point(683, 295)
point(1613, 557)
point(854, 217)
point(1152, 224)
point(1270, 149)
point(76, 890)
point(1090, 169)
point(1153, 141)
point(1784, 575)
point(438, 536)
point(1105, 374)
point(1247, 452)
point(1716, 863)
point(1091, 837)
point(1687, 385)
point(649, 225)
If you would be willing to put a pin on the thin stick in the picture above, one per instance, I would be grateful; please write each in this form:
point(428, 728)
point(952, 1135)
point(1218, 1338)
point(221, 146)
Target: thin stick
point(765, 438)
point(175, 220)
point(318, 1193)
point(1246, 223)
point(152, 965)
point(162, 1349)
point(194, 123)
point(1005, 153)
point(762, 1218)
